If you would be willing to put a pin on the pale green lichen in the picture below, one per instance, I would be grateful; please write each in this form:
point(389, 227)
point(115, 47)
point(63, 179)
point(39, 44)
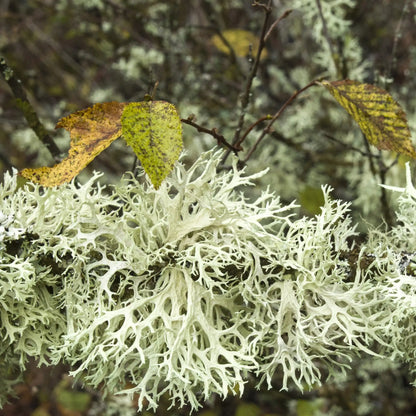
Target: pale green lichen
point(332, 28)
point(184, 290)
point(396, 251)
point(86, 4)
point(139, 60)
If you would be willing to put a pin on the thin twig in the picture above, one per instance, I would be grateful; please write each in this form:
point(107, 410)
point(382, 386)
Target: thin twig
point(385, 206)
point(381, 173)
point(370, 156)
point(288, 142)
point(326, 34)
point(397, 36)
point(27, 109)
point(218, 28)
point(251, 127)
point(356, 149)
point(245, 97)
point(221, 140)
point(268, 128)
point(266, 8)
point(55, 46)
point(276, 22)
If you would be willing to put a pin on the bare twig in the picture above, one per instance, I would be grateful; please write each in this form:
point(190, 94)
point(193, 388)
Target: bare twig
point(27, 109)
point(326, 34)
point(350, 147)
point(54, 45)
point(380, 173)
point(298, 147)
point(267, 8)
point(214, 133)
point(397, 36)
point(276, 22)
point(218, 27)
point(385, 206)
point(251, 127)
point(245, 97)
point(268, 128)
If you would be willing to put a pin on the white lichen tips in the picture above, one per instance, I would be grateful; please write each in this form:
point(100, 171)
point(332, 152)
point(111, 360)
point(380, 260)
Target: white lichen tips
point(183, 290)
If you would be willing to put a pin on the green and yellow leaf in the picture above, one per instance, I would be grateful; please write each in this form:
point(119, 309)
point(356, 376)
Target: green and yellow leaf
point(379, 116)
point(91, 130)
point(240, 41)
point(311, 199)
point(154, 130)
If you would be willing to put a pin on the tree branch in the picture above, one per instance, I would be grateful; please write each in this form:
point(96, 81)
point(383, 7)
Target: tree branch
point(276, 22)
point(251, 127)
point(27, 109)
point(245, 97)
point(268, 128)
point(221, 140)
point(326, 36)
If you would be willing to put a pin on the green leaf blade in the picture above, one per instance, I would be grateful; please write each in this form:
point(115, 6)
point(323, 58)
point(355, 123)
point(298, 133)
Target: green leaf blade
point(379, 116)
point(154, 131)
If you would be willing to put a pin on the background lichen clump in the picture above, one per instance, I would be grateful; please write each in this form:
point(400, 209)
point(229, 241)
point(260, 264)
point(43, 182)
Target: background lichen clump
point(186, 289)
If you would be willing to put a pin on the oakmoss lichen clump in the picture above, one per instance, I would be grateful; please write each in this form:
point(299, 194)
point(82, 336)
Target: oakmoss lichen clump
point(183, 290)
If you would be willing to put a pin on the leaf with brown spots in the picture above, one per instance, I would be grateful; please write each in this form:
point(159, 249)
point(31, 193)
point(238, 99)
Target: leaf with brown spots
point(92, 130)
point(380, 118)
point(154, 130)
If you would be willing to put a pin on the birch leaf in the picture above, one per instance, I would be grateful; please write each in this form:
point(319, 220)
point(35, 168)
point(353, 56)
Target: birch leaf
point(154, 130)
point(240, 40)
point(91, 130)
point(379, 116)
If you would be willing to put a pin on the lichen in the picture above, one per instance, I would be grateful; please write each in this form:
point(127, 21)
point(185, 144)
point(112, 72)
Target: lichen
point(184, 290)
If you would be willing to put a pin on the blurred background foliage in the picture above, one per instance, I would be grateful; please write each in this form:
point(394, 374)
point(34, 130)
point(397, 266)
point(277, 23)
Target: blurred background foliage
point(72, 53)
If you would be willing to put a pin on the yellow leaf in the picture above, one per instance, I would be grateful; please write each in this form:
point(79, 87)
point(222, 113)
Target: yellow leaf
point(240, 40)
point(154, 130)
point(92, 130)
point(380, 118)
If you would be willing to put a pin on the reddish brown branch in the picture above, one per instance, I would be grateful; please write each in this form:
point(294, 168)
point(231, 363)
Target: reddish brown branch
point(276, 22)
point(251, 127)
point(221, 140)
point(245, 97)
point(268, 128)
